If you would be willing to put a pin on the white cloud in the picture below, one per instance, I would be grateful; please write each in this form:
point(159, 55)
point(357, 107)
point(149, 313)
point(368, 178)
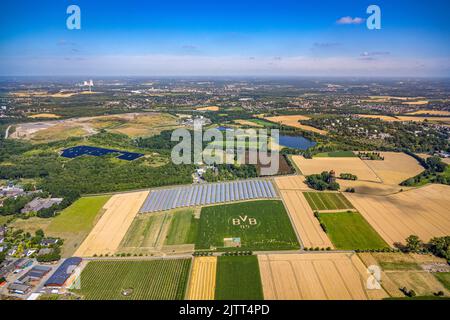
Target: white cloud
point(350, 20)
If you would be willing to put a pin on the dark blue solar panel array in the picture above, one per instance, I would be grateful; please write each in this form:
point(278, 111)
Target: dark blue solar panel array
point(205, 194)
point(95, 151)
point(64, 271)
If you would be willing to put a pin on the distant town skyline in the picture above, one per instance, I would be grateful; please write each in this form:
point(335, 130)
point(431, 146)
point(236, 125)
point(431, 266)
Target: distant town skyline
point(233, 38)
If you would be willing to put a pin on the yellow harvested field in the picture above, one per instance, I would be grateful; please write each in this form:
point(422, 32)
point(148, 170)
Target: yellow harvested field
point(109, 231)
point(44, 116)
point(202, 284)
point(210, 108)
point(395, 168)
point(339, 165)
point(416, 103)
point(432, 112)
point(315, 276)
point(376, 116)
point(293, 121)
point(443, 120)
point(302, 216)
point(248, 123)
point(291, 183)
point(423, 212)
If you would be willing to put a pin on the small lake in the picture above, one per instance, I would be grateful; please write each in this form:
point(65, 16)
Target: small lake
point(296, 142)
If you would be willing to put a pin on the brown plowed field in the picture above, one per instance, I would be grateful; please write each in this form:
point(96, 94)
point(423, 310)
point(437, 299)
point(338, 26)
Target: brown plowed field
point(202, 284)
point(315, 276)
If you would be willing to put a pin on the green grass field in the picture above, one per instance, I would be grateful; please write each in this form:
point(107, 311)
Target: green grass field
point(183, 228)
point(261, 225)
point(327, 201)
point(80, 216)
point(4, 219)
point(350, 231)
point(238, 278)
point(444, 278)
point(264, 123)
point(75, 222)
point(144, 280)
point(336, 154)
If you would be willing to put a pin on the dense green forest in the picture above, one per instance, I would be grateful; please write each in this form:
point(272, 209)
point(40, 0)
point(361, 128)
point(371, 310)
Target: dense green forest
point(70, 178)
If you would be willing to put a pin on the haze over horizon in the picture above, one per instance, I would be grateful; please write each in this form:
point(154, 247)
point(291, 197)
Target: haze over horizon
point(200, 38)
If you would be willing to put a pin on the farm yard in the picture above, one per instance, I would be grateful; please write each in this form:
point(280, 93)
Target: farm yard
point(320, 201)
point(135, 280)
point(302, 216)
point(315, 276)
point(350, 231)
point(108, 233)
point(202, 284)
point(423, 212)
point(238, 278)
point(260, 225)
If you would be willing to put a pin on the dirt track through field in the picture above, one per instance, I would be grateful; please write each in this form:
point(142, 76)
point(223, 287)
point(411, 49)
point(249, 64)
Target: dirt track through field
point(315, 276)
point(302, 216)
point(108, 233)
point(423, 212)
point(202, 284)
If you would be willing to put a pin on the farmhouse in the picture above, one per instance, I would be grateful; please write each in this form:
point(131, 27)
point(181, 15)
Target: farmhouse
point(38, 204)
point(34, 275)
point(18, 288)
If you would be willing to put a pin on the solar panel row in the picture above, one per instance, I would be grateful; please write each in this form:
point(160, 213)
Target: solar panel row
point(166, 199)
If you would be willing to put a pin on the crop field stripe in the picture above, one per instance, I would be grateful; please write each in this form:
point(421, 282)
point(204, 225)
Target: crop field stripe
point(334, 201)
point(238, 278)
point(317, 201)
point(310, 201)
point(161, 279)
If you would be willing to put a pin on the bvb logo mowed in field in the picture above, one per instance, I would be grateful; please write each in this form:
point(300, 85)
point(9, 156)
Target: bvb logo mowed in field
point(244, 222)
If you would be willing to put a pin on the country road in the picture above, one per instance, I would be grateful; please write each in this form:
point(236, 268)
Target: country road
point(7, 132)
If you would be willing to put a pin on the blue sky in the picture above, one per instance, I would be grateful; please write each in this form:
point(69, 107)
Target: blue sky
point(292, 38)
